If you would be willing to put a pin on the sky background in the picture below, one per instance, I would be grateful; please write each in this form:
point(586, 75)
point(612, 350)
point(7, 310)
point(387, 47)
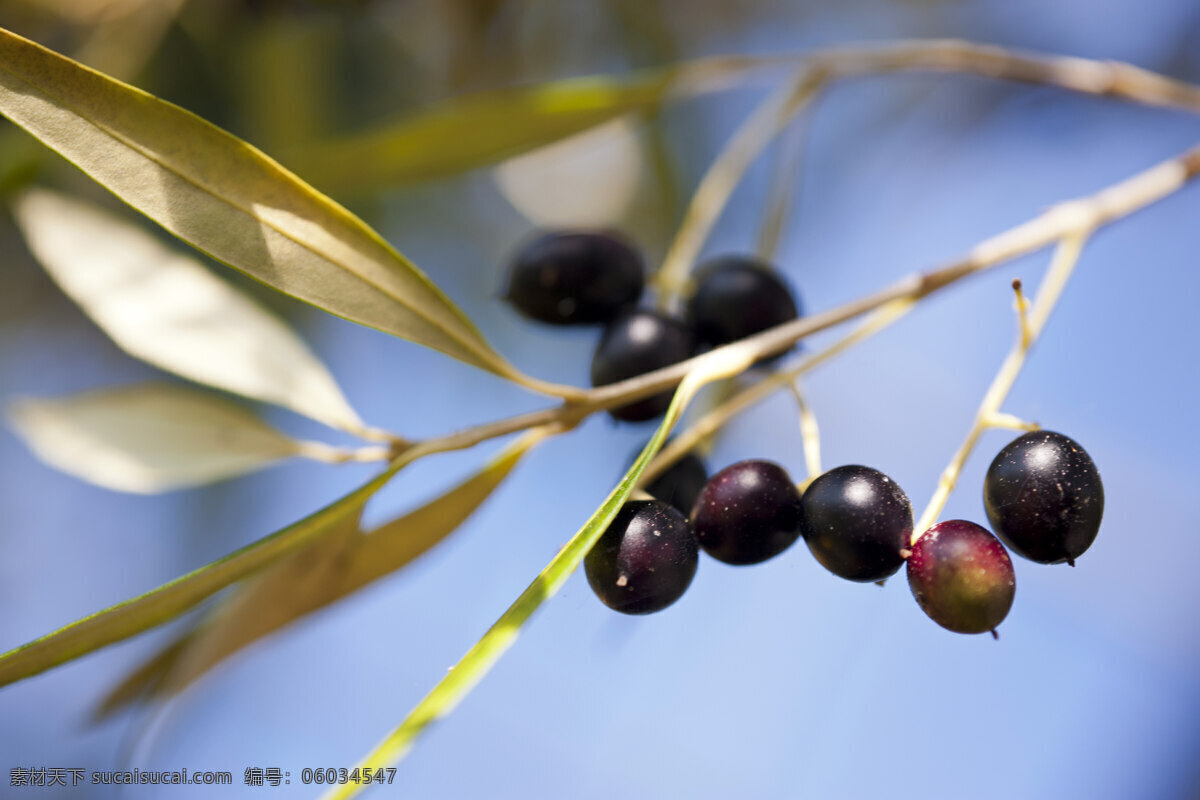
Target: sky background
point(777, 681)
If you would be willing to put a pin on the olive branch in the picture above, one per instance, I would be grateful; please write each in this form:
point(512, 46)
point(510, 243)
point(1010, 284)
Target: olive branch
point(233, 202)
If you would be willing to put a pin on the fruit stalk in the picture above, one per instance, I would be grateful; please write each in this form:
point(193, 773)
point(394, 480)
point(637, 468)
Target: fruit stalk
point(1066, 256)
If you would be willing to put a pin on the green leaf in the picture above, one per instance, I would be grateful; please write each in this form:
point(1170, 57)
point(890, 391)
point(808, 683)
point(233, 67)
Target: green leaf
point(472, 667)
point(148, 437)
point(312, 579)
point(230, 200)
point(168, 601)
point(165, 308)
point(480, 129)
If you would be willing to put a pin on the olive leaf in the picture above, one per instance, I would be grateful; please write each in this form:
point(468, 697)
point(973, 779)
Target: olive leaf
point(148, 437)
point(471, 668)
point(167, 309)
point(168, 601)
point(480, 129)
point(313, 579)
point(343, 562)
point(228, 199)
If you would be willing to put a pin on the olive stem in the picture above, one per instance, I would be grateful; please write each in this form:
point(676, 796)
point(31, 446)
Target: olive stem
point(1021, 304)
point(810, 434)
point(785, 180)
point(711, 422)
point(319, 451)
point(1010, 422)
point(1056, 223)
point(1066, 256)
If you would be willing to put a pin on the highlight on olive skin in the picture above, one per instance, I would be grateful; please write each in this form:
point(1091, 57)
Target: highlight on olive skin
point(736, 297)
point(1044, 498)
point(645, 560)
point(962, 577)
point(857, 522)
point(635, 343)
point(747, 513)
point(575, 278)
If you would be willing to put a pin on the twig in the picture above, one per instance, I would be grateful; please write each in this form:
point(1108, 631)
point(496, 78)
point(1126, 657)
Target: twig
point(1102, 78)
point(1089, 213)
point(784, 179)
point(810, 434)
point(715, 419)
point(722, 178)
point(319, 451)
point(988, 415)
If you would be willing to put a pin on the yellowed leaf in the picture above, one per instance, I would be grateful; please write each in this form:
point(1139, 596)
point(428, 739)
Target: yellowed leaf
point(341, 564)
point(148, 437)
point(168, 601)
point(165, 308)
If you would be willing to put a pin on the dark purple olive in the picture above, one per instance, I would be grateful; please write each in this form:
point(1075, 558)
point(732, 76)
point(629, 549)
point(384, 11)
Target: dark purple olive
point(645, 560)
point(747, 513)
point(736, 297)
point(575, 278)
point(1044, 498)
point(857, 522)
point(635, 343)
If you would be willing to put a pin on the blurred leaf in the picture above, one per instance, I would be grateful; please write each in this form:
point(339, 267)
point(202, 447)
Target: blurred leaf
point(168, 601)
point(476, 130)
point(167, 309)
point(227, 198)
point(337, 566)
point(609, 159)
point(472, 667)
point(149, 437)
point(123, 37)
point(394, 544)
point(145, 680)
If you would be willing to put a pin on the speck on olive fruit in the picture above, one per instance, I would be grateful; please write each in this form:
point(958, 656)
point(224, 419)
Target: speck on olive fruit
point(1044, 498)
point(645, 560)
point(736, 297)
point(857, 522)
point(747, 513)
point(637, 342)
point(575, 277)
point(962, 577)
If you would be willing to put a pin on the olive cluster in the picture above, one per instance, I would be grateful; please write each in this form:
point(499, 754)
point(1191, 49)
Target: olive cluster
point(1042, 493)
point(592, 277)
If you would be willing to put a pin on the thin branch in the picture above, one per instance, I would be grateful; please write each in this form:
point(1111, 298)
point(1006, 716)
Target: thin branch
point(784, 180)
point(711, 196)
point(715, 419)
point(319, 451)
point(1085, 214)
point(988, 415)
point(1101, 78)
point(810, 433)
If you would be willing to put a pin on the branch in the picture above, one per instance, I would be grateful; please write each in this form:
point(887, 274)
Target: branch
point(1028, 330)
point(1072, 217)
point(1100, 78)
